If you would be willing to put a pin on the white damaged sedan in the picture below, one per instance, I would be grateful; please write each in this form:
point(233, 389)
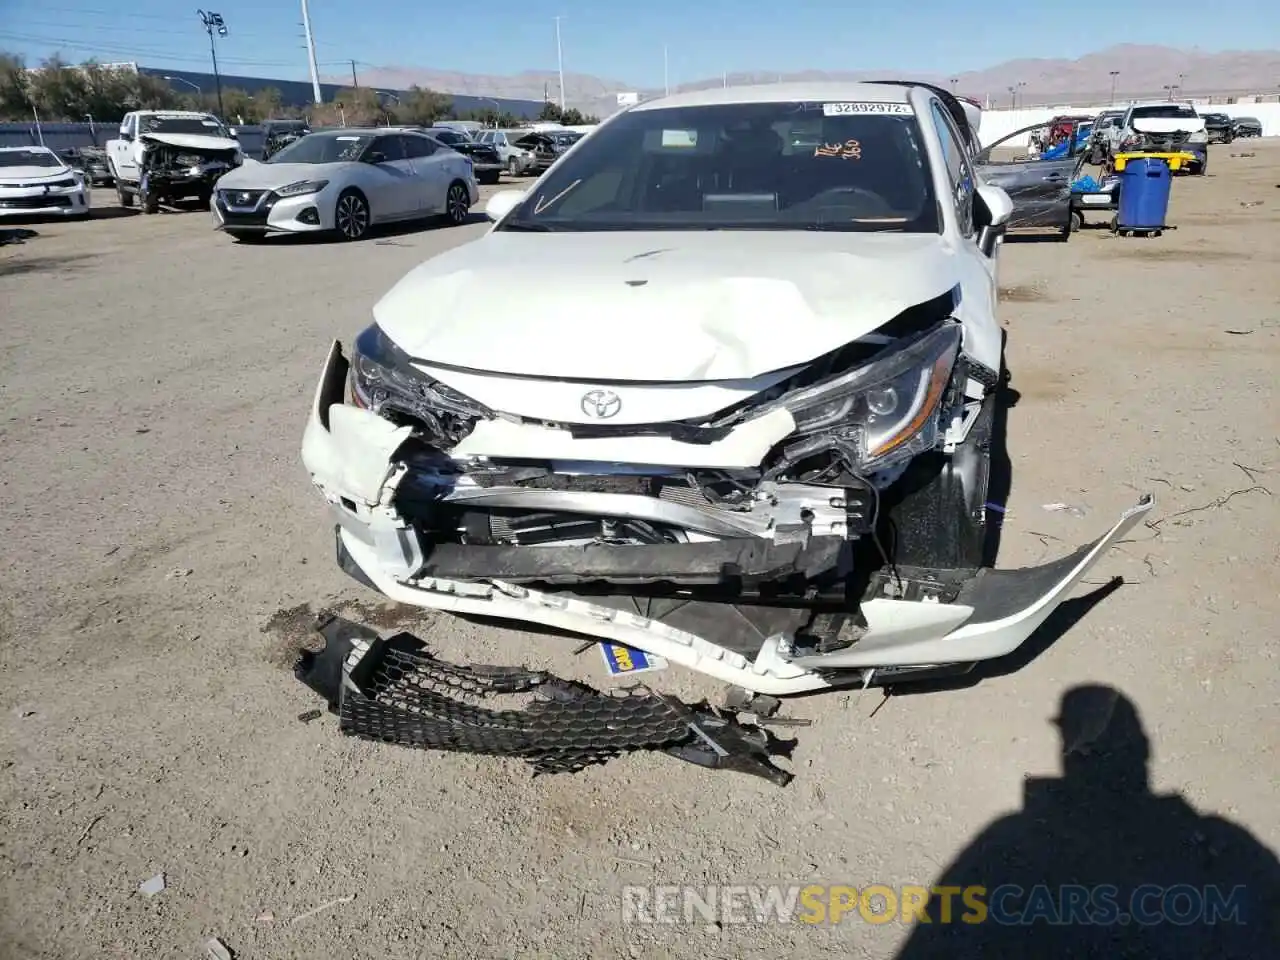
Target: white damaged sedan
point(344, 182)
point(34, 181)
point(732, 401)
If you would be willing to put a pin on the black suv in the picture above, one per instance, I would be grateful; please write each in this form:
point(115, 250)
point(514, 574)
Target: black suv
point(1218, 127)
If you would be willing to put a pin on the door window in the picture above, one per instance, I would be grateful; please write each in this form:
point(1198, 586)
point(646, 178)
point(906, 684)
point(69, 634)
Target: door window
point(415, 147)
point(959, 173)
point(391, 148)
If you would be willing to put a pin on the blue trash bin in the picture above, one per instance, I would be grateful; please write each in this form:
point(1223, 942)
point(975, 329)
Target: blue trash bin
point(1144, 195)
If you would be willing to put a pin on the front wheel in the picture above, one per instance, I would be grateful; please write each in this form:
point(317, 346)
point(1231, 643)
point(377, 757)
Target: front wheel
point(123, 196)
point(352, 216)
point(457, 204)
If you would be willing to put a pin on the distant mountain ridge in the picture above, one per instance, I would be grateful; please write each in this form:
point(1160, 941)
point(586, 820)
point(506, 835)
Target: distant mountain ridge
point(1144, 71)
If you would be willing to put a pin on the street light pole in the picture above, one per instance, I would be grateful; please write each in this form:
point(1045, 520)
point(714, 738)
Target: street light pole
point(212, 22)
point(560, 64)
point(666, 73)
point(1114, 74)
point(193, 86)
point(311, 54)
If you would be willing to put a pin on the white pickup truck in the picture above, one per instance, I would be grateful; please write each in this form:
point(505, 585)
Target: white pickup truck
point(165, 155)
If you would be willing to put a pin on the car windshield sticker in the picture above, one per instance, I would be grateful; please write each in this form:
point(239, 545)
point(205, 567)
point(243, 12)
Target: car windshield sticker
point(879, 109)
point(849, 150)
point(679, 138)
point(620, 659)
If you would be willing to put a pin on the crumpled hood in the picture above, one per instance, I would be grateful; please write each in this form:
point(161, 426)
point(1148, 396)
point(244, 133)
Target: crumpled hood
point(1168, 124)
point(191, 141)
point(678, 306)
point(269, 176)
point(11, 175)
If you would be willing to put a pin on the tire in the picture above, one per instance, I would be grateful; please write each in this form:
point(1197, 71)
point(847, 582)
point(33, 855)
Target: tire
point(457, 203)
point(123, 196)
point(1076, 223)
point(351, 215)
point(1203, 167)
point(150, 202)
point(513, 168)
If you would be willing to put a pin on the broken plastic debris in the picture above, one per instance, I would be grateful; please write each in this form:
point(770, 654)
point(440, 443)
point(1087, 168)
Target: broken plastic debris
point(149, 888)
point(1064, 508)
point(217, 950)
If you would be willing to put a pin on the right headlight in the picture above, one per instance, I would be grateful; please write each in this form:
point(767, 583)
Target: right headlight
point(885, 411)
point(301, 188)
point(384, 380)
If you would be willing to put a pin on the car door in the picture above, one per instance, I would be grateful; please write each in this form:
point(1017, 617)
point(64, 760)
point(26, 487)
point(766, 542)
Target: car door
point(122, 150)
point(390, 181)
point(1040, 187)
point(428, 175)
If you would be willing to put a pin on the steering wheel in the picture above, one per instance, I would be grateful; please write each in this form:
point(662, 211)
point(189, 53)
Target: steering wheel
point(876, 205)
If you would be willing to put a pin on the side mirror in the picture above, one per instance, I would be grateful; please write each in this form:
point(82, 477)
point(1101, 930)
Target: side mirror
point(991, 213)
point(502, 203)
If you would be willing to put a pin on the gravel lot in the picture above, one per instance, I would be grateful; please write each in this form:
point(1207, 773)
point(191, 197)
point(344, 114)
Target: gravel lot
point(163, 554)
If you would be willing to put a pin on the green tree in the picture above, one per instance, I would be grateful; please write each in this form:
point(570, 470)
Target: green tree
point(15, 100)
point(422, 107)
point(550, 112)
point(269, 103)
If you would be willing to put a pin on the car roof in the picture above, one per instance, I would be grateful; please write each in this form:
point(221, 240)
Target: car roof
point(835, 91)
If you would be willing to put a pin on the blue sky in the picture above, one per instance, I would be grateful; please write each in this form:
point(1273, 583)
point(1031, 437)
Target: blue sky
point(624, 40)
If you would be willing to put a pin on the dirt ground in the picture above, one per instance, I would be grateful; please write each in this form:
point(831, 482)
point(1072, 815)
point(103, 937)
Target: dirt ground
point(162, 554)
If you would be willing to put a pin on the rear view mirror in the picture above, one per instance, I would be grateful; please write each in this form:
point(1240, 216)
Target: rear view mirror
point(502, 203)
point(991, 214)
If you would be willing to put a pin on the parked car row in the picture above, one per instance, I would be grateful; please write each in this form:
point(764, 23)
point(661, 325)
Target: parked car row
point(342, 181)
point(525, 152)
point(1166, 126)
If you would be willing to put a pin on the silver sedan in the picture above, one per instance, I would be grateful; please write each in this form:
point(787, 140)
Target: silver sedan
point(345, 181)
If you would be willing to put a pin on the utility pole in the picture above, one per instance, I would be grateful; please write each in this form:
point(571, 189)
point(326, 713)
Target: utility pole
point(724, 80)
point(212, 22)
point(560, 64)
point(1114, 74)
point(311, 54)
point(355, 81)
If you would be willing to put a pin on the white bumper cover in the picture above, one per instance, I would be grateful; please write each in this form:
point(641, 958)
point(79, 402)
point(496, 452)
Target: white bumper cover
point(43, 200)
point(349, 454)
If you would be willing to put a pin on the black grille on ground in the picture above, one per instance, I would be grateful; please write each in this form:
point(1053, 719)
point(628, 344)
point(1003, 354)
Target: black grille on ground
point(397, 692)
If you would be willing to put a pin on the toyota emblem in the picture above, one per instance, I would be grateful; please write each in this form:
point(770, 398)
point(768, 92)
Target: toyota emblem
point(601, 404)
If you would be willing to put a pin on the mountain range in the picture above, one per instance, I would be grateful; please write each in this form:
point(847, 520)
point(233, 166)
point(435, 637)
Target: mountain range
point(1144, 71)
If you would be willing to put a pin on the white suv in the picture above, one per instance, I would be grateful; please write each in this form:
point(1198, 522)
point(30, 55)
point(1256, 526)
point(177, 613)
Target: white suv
point(517, 160)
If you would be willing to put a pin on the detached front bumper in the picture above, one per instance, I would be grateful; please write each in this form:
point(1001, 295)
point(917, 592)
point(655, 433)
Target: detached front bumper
point(351, 455)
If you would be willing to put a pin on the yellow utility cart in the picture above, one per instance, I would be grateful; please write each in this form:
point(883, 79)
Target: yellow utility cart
point(1177, 160)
